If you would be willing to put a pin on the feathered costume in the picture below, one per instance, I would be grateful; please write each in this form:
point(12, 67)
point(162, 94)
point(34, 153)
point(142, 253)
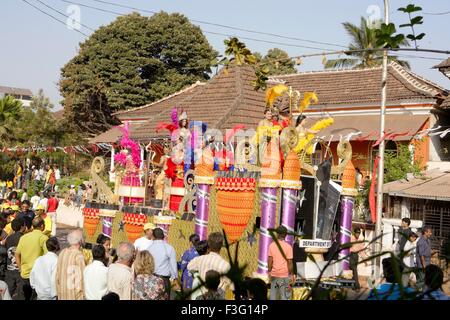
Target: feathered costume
point(306, 137)
point(130, 159)
point(175, 164)
point(224, 158)
point(304, 140)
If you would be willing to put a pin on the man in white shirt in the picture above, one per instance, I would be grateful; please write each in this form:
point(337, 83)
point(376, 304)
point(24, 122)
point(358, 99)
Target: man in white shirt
point(165, 258)
point(211, 261)
point(36, 175)
point(35, 200)
point(24, 195)
point(42, 173)
point(409, 259)
point(43, 200)
point(144, 242)
point(96, 275)
point(120, 274)
point(57, 174)
point(42, 277)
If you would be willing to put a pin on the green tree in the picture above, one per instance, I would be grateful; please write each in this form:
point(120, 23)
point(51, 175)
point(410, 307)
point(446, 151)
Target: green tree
point(37, 125)
point(398, 164)
point(131, 62)
point(10, 111)
point(363, 37)
point(278, 62)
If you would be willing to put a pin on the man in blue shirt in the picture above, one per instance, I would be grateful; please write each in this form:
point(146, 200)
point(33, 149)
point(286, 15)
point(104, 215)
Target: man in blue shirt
point(165, 258)
point(391, 290)
point(423, 255)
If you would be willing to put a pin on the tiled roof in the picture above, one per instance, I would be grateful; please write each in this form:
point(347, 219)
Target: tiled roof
point(224, 101)
point(229, 98)
point(362, 86)
point(150, 110)
point(443, 64)
point(433, 185)
point(113, 135)
point(20, 91)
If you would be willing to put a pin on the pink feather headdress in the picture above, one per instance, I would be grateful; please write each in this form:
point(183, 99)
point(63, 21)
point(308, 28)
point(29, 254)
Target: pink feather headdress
point(130, 145)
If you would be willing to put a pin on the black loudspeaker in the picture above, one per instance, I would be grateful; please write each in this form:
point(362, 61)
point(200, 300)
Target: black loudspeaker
point(258, 222)
point(305, 207)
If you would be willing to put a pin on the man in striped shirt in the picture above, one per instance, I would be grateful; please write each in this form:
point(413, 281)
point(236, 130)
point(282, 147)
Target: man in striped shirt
point(70, 268)
point(211, 261)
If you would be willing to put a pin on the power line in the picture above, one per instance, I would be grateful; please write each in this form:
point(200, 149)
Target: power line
point(54, 18)
point(95, 8)
point(227, 26)
point(418, 57)
point(63, 14)
point(205, 31)
point(331, 52)
point(436, 13)
point(267, 41)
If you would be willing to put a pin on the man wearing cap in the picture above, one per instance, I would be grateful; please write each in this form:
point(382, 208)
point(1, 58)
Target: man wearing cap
point(144, 242)
point(40, 212)
point(280, 267)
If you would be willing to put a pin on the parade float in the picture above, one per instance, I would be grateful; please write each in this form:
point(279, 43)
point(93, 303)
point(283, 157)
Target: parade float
point(198, 183)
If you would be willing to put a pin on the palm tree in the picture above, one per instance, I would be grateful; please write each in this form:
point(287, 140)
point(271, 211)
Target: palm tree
point(10, 110)
point(363, 37)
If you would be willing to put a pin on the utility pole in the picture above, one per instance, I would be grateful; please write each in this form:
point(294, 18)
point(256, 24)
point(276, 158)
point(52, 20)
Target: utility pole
point(378, 231)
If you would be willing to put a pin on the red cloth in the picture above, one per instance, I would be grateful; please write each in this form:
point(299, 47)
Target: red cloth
point(175, 172)
point(372, 200)
point(52, 204)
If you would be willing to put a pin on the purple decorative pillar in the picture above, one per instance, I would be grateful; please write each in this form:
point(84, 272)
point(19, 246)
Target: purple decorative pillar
point(348, 194)
point(290, 197)
point(268, 215)
point(202, 210)
point(107, 223)
point(346, 229)
point(291, 184)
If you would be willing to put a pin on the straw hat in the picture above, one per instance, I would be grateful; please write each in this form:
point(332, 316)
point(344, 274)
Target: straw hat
point(149, 225)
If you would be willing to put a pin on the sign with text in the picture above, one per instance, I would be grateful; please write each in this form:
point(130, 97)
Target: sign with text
point(314, 243)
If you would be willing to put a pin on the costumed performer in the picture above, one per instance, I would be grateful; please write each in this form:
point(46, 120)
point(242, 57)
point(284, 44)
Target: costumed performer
point(159, 184)
point(129, 158)
point(175, 172)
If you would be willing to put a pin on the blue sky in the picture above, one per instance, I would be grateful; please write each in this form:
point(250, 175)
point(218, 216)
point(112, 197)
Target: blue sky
point(35, 47)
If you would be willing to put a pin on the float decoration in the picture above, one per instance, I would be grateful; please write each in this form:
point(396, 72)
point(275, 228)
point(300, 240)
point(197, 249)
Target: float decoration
point(347, 202)
point(269, 183)
point(204, 178)
point(235, 201)
point(134, 225)
point(107, 221)
point(130, 158)
point(291, 184)
point(91, 220)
